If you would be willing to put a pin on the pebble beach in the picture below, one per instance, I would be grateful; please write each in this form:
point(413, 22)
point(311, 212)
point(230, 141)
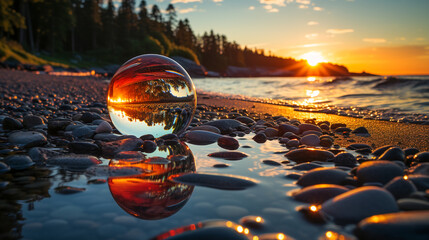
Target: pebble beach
point(242, 170)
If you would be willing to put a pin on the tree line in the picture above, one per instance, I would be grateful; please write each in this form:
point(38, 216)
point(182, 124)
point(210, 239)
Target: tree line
point(97, 28)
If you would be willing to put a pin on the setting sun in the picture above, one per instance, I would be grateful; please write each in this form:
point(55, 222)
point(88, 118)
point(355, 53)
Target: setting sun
point(313, 58)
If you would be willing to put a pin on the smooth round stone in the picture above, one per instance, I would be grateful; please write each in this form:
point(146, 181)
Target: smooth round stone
point(309, 155)
point(4, 168)
point(337, 125)
point(420, 181)
point(292, 143)
point(271, 132)
point(221, 165)
point(392, 154)
point(377, 152)
point(206, 128)
point(201, 137)
point(412, 204)
point(149, 146)
point(12, 124)
point(134, 155)
point(284, 128)
point(260, 138)
point(271, 162)
point(228, 155)
point(310, 140)
point(231, 211)
point(253, 222)
point(378, 171)
point(89, 117)
point(28, 139)
point(410, 151)
point(400, 188)
point(115, 147)
point(245, 120)
point(216, 181)
point(360, 130)
point(421, 157)
point(74, 162)
point(345, 159)
point(356, 146)
point(228, 143)
point(226, 125)
point(294, 176)
point(342, 130)
point(322, 175)
point(107, 137)
point(104, 127)
point(359, 203)
point(318, 193)
point(18, 162)
point(306, 166)
point(84, 147)
point(83, 132)
point(307, 126)
point(326, 142)
point(395, 226)
point(31, 121)
point(421, 168)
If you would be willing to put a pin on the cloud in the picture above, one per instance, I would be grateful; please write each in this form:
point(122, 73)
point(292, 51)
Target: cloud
point(318, 9)
point(306, 2)
point(312, 23)
point(252, 8)
point(311, 36)
point(187, 10)
point(339, 31)
point(185, 1)
point(273, 2)
point(303, 6)
point(216, 1)
point(374, 40)
point(271, 8)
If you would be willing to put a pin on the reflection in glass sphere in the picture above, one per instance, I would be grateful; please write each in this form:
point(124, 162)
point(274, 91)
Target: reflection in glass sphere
point(151, 94)
point(152, 195)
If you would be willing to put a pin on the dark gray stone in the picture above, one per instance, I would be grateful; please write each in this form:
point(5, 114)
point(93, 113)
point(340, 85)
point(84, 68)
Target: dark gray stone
point(31, 121)
point(392, 154)
point(74, 161)
point(400, 188)
point(307, 126)
point(309, 155)
point(216, 181)
point(322, 176)
point(345, 159)
point(319, 193)
point(12, 124)
point(284, 128)
point(228, 155)
point(84, 148)
point(226, 125)
point(28, 139)
point(378, 171)
point(18, 162)
point(201, 137)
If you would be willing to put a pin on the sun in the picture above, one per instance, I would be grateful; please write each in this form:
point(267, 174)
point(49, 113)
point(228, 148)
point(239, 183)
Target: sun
point(313, 58)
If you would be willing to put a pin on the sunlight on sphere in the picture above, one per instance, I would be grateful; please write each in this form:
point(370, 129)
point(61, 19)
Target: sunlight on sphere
point(151, 94)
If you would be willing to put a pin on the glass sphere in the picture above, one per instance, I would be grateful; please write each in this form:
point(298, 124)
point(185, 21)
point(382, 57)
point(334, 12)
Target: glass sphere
point(151, 94)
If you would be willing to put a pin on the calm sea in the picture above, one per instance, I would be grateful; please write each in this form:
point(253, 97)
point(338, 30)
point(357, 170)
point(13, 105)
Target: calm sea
point(408, 94)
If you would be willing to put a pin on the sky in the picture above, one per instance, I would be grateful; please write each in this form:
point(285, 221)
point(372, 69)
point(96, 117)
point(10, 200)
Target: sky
point(388, 37)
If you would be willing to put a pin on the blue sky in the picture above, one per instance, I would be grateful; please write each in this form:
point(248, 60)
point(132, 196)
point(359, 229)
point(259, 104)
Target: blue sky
point(361, 34)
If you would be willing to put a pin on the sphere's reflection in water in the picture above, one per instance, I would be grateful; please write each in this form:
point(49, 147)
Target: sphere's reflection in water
point(151, 94)
point(152, 195)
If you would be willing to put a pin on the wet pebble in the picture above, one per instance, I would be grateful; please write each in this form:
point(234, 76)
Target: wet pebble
point(310, 140)
point(345, 159)
point(395, 226)
point(245, 120)
point(134, 155)
point(221, 165)
point(201, 137)
point(421, 168)
point(412, 204)
point(149, 146)
point(253, 222)
point(360, 130)
point(400, 188)
point(421, 157)
point(377, 152)
point(12, 124)
point(284, 128)
point(292, 143)
point(306, 166)
point(308, 155)
point(306, 127)
point(392, 154)
point(271, 162)
point(115, 147)
point(83, 132)
point(31, 121)
point(28, 139)
point(104, 127)
point(319, 193)
point(228, 155)
point(206, 128)
point(4, 168)
point(322, 175)
point(358, 204)
point(228, 143)
point(260, 138)
point(378, 171)
point(18, 162)
point(226, 125)
point(271, 132)
point(84, 147)
point(420, 181)
point(216, 181)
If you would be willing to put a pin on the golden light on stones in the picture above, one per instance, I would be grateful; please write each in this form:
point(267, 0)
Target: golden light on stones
point(281, 236)
point(313, 208)
point(151, 94)
point(405, 177)
point(258, 219)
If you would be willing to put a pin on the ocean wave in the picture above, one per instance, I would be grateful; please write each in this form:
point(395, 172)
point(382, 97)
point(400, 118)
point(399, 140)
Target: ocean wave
point(396, 82)
point(359, 95)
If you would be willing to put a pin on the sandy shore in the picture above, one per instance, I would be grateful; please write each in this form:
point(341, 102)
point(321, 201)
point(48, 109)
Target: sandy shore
point(382, 132)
